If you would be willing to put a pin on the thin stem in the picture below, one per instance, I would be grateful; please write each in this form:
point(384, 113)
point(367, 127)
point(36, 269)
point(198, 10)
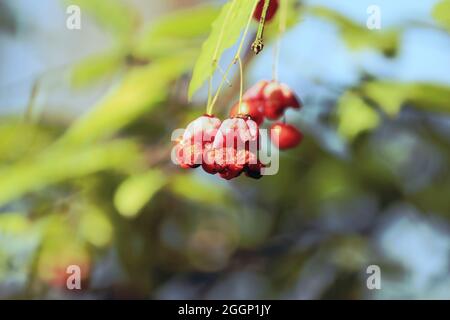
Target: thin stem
point(209, 93)
point(258, 44)
point(233, 62)
point(31, 101)
point(223, 74)
point(281, 31)
point(242, 84)
point(276, 58)
point(222, 31)
point(216, 52)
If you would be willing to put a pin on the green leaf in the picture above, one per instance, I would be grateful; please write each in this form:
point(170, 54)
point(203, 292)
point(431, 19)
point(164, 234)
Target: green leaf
point(135, 192)
point(13, 224)
point(61, 163)
point(226, 30)
point(95, 68)
point(95, 227)
point(357, 36)
point(20, 139)
point(114, 15)
point(391, 96)
point(355, 116)
point(172, 33)
point(139, 92)
point(441, 13)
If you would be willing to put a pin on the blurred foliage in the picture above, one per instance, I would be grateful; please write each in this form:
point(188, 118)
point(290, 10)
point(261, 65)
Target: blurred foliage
point(115, 16)
point(441, 13)
point(102, 193)
point(357, 36)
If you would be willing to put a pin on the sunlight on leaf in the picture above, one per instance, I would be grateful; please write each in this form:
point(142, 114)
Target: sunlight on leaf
point(13, 223)
point(95, 226)
point(441, 13)
point(19, 139)
point(355, 116)
point(175, 32)
point(225, 32)
point(62, 163)
point(136, 191)
point(357, 36)
point(138, 93)
point(95, 68)
point(114, 15)
point(391, 96)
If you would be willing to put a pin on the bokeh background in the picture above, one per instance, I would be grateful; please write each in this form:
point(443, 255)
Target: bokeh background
point(85, 174)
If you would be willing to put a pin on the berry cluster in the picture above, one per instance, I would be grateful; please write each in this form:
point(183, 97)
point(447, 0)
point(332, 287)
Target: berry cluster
point(269, 100)
point(228, 148)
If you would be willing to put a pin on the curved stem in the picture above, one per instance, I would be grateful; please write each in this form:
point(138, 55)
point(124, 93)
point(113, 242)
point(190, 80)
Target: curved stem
point(233, 62)
point(216, 51)
point(242, 84)
point(209, 93)
point(281, 31)
point(31, 101)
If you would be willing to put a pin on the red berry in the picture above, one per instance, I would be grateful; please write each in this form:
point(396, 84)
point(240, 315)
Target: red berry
point(188, 154)
point(209, 163)
point(236, 132)
point(227, 159)
point(202, 130)
point(254, 170)
point(252, 108)
point(271, 11)
point(285, 136)
point(256, 92)
point(278, 97)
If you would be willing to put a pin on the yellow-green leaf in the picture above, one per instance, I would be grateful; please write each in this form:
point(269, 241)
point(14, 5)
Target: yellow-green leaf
point(391, 96)
point(95, 68)
point(95, 226)
point(114, 15)
point(225, 32)
point(357, 36)
point(355, 116)
point(441, 13)
point(139, 92)
point(172, 33)
point(61, 163)
point(136, 191)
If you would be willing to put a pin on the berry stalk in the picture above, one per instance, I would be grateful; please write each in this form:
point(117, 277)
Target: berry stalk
point(258, 44)
point(281, 31)
point(233, 62)
point(215, 58)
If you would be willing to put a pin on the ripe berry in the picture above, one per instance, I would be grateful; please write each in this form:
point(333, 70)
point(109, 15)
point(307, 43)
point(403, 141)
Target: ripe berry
point(256, 92)
point(254, 170)
point(209, 164)
point(285, 136)
point(252, 108)
point(236, 132)
point(188, 154)
point(271, 11)
point(231, 166)
point(202, 129)
point(278, 97)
